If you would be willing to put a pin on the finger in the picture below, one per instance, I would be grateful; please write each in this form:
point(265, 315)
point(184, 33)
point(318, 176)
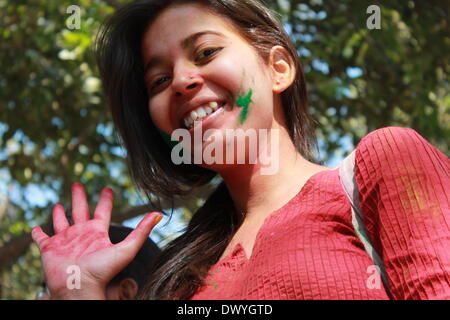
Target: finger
point(60, 222)
point(80, 208)
point(38, 236)
point(104, 206)
point(134, 241)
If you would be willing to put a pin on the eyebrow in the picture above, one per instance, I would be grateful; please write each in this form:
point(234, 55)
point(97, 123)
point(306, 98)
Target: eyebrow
point(186, 43)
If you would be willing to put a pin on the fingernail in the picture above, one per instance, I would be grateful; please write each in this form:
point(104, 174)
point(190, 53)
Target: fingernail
point(158, 219)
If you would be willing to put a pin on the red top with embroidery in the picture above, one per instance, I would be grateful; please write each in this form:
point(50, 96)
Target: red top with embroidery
point(308, 249)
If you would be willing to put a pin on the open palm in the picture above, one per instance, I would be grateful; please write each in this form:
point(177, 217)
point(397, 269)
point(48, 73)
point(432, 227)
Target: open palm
point(84, 248)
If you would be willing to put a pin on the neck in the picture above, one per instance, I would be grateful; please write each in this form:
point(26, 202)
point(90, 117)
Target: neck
point(256, 194)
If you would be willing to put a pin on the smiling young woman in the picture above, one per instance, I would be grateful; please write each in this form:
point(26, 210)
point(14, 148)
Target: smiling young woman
point(231, 50)
point(229, 65)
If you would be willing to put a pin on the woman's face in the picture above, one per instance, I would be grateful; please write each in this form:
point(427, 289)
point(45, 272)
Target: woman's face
point(197, 65)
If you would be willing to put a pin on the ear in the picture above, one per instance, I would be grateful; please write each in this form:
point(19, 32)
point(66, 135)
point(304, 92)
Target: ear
point(282, 68)
point(128, 289)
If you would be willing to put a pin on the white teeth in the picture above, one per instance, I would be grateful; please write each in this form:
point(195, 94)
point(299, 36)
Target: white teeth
point(193, 115)
point(188, 122)
point(214, 105)
point(200, 113)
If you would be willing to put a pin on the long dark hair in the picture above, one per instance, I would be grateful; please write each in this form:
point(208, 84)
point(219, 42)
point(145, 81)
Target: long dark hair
point(185, 261)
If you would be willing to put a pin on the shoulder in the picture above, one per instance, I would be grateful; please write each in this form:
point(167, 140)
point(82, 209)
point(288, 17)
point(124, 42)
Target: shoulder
point(394, 137)
point(391, 144)
point(396, 151)
point(385, 153)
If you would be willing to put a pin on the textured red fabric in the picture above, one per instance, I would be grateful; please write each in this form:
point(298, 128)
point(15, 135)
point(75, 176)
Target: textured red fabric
point(308, 249)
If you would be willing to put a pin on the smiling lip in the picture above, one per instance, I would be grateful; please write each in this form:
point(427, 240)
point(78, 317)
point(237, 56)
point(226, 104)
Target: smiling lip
point(197, 104)
point(206, 120)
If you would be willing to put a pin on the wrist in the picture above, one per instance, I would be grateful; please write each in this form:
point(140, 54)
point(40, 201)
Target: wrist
point(83, 293)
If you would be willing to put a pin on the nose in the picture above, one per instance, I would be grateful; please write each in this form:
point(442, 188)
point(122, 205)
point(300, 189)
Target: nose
point(186, 81)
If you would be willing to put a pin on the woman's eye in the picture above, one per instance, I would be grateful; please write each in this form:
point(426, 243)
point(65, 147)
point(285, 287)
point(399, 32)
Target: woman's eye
point(206, 53)
point(159, 82)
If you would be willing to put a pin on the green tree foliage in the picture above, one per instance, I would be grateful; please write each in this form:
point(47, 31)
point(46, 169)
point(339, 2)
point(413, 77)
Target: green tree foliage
point(55, 128)
point(360, 79)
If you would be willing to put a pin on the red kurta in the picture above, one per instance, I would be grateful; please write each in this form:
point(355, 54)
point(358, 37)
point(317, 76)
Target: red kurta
point(308, 249)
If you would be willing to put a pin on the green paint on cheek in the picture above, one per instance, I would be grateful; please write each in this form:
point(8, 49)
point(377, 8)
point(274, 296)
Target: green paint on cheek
point(244, 101)
point(167, 139)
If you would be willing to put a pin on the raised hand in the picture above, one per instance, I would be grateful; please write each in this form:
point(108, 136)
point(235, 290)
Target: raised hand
point(85, 247)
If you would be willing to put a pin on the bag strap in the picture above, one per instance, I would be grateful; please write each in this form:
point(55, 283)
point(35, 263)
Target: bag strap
point(348, 182)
